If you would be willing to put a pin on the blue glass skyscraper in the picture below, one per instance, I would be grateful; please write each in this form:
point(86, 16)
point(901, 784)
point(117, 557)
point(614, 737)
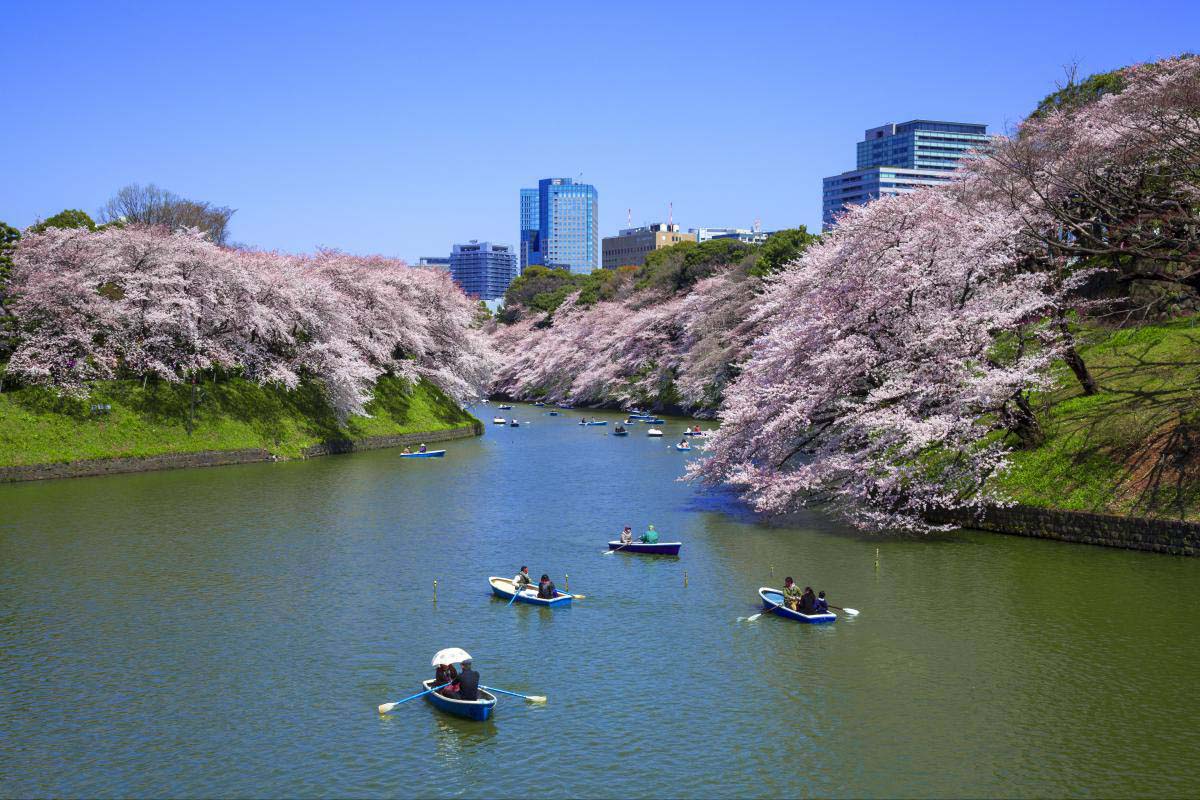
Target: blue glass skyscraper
point(560, 223)
point(898, 158)
point(483, 270)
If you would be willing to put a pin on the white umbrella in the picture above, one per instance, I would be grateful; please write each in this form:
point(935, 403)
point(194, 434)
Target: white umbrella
point(451, 655)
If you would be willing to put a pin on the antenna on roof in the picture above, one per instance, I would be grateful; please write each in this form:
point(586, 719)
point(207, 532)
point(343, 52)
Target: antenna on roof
point(670, 215)
point(629, 218)
point(757, 225)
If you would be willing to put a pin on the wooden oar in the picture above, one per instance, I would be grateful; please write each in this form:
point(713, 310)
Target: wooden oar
point(853, 612)
point(386, 707)
point(764, 611)
point(533, 698)
point(516, 592)
point(615, 549)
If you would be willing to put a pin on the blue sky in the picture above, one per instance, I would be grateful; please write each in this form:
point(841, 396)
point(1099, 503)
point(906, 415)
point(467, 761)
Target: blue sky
point(400, 129)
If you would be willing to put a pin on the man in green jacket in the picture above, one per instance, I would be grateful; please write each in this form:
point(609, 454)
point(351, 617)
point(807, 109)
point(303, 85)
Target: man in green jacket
point(791, 594)
point(650, 536)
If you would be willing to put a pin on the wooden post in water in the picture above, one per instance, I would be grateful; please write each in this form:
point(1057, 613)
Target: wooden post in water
point(772, 572)
point(567, 583)
point(685, 579)
point(435, 592)
point(876, 558)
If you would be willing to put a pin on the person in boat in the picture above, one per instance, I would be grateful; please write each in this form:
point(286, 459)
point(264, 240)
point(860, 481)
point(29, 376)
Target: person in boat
point(522, 580)
point(791, 594)
point(684, 442)
point(808, 601)
point(627, 535)
point(406, 451)
point(546, 588)
point(446, 673)
point(696, 429)
point(650, 536)
point(822, 606)
point(619, 429)
point(468, 684)
point(422, 448)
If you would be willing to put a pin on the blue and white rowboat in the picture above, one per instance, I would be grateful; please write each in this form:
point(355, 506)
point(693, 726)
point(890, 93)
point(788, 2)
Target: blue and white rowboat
point(478, 710)
point(598, 422)
point(503, 587)
point(648, 548)
point(773, 603)
point(426, 454)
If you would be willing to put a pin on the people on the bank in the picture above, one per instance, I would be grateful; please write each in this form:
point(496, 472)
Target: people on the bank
point(650, 536)
point(808, 601)
point(791, 594)
point(546, 588)
point(423, 448)
point(446, 674)
point(627, 535)
point(822, 603)
point(522, 580)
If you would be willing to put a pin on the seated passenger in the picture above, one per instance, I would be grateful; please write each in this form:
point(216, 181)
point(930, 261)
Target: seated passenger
point(446, 673)
point(808, 601)
point(547, 589)
point(627, 535)
point(423, 448)
point(650, 536)
point(522, 580)
point(822, 603)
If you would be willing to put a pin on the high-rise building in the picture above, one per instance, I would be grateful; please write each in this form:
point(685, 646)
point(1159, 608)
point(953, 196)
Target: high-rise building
point(560, 222)
point(483, 270)
point(630, 246)
point(900, 158)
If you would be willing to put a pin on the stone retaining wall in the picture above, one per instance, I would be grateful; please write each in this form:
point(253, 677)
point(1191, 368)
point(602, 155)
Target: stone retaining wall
point(1132, 533)
point(216, 458)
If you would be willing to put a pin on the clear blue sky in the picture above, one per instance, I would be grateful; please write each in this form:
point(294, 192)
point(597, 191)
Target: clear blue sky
point(397, 129)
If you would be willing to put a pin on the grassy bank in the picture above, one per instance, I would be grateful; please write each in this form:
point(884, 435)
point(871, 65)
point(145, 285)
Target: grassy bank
point(38, 427)
point(1131, 449)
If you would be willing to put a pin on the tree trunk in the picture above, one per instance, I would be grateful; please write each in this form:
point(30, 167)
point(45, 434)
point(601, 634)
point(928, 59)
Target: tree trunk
point(1075, 361)
point(1023, 422)
point(192, 410)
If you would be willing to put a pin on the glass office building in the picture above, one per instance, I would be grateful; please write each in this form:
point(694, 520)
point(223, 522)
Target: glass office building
point(483, 270)
point(899, 158)
point(560, 222)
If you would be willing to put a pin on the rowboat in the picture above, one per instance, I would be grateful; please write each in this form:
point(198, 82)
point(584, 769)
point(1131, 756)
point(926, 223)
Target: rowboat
point(504, 408)
point(654, 421)
point(655, 549)
point(552, 413)
point(498, 420)
point(503, 587)
point(426, 454)
point(567, 406)
point(695, 433)
point(539, 404)
point(514, 424)
point(683, 447)
point(598, 422)
point(773, 602)
point(478, 710)
point(654, 432)
point(620, 432)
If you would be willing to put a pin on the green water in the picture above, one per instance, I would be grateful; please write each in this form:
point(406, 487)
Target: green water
point(230, 631)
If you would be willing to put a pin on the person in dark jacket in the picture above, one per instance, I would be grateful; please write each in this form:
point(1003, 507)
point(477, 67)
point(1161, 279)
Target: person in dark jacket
point(546, 588)
point(808, 601)
point(822, 603)
point(468, 683)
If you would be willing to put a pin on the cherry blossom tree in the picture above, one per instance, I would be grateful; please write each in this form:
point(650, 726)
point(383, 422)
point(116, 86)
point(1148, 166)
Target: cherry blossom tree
point(898, 353)
point(145, 301)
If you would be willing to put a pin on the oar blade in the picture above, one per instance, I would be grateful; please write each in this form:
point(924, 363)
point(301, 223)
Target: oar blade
point(535, 698)
point(851, 611)
point(753, 617)
point(386, 707)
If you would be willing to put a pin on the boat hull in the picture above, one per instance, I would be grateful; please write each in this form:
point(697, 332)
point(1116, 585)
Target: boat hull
point(655, 549)
point(503, 588)
point(620, 433)
point(478, 710)
point(772, 600)
point(601, 422)
point(427, 454)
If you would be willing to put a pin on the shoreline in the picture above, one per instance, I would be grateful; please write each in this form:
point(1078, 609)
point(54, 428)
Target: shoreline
point(118, 465)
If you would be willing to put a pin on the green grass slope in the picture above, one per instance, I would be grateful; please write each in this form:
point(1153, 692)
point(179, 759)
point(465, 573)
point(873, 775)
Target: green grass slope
point(38, 427)
point(1133, 448)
